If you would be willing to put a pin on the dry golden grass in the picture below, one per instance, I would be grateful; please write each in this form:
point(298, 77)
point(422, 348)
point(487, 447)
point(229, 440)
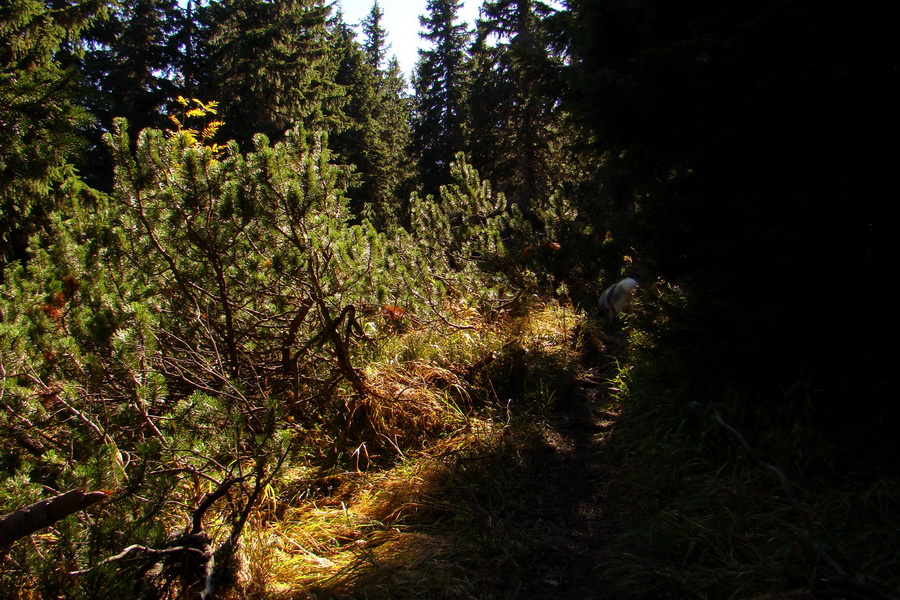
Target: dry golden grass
point(415, 401)
point(333, 542)
point(364, 531)
point(461, 510)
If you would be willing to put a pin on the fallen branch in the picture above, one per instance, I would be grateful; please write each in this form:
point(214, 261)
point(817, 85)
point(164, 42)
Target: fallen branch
point(29, 519)
point(193, 541)
point(136, 548)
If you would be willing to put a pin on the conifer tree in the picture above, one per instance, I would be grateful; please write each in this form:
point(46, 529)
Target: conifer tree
point(353, 144)
point(164, 339)
point(270, 65)
point(441, 88)
point(39, 117)
point(375, 37)
point(469, 240)
point(489, 106)
point(396, 164)
point(130, 69)
point(510, 104)
point(390, 131)
point(376, 141)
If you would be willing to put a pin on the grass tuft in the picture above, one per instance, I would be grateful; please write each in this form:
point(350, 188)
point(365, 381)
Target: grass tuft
point(506, 472)
point(464, 412)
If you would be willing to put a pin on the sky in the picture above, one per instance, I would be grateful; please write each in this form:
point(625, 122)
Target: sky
point(401, 22)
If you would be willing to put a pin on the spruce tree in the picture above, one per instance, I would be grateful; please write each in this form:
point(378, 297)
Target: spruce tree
point(396, 162)
point(376, 141)
point(130, 70)
point(270, 66)
point(375, 37)
point(441, 86)
point(390, 131)
point(39, 116)
point(510, 104)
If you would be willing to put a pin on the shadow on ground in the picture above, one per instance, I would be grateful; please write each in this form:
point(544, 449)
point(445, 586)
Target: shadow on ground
point(517, 512)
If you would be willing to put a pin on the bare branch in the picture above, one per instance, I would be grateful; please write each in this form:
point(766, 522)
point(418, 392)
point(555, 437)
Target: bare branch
point(29, 519)
point(134, 548)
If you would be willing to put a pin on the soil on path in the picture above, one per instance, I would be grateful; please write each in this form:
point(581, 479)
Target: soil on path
point(523, 517)
point(574, 510)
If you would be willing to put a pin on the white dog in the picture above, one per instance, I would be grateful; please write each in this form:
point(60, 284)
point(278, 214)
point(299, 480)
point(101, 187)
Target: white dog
point(615, 297)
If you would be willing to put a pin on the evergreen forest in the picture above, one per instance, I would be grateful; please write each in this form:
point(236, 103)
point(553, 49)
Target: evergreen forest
point(279, 320)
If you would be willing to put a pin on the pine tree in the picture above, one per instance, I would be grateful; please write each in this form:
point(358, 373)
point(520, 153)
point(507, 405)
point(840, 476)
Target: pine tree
point(130, 70)
point(164, 340)
point(377, 139)
point(270, 66)
point(510, 104)
point(468, 242)
point(39, 117)
point(441, 90)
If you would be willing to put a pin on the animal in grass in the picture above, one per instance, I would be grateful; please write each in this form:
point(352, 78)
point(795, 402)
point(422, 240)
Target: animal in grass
point(613, 300)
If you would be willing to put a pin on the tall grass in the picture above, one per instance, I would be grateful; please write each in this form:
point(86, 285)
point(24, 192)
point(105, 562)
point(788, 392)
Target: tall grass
point(700, 516)
point(465, 501)
point(435, 509)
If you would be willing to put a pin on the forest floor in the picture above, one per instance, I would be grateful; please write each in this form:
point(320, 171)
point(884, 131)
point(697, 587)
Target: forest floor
point(541, 487)
point(503, 508)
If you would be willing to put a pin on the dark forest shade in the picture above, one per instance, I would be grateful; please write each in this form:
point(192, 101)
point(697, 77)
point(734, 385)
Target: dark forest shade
point(754, 146)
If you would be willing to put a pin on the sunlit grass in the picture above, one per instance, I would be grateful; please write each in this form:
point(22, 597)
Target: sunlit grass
point(439, 404)
point(467, 414)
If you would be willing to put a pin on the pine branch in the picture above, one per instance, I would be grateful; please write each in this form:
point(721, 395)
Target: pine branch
point(341, 350)
point(207, 502)
point(29, 519)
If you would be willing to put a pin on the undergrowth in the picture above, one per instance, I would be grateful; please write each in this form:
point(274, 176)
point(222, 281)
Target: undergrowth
point(459, 504)
point(770, 511)
point(439, 510)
